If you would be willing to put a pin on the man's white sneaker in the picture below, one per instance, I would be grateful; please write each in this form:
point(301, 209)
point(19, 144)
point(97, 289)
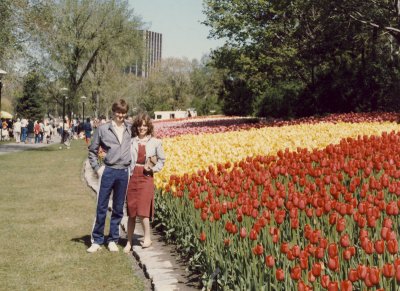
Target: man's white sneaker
point(112, 246)
point(94, 248)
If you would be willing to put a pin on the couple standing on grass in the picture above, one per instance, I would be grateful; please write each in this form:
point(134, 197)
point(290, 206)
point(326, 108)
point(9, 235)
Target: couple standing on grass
point(132, 156)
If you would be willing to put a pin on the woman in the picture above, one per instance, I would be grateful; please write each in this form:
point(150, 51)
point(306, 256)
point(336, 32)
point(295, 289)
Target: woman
point(87, 127)
point(36, 129)
point(147, 158)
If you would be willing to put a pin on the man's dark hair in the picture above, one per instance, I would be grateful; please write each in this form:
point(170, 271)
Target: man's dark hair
point(120, 106)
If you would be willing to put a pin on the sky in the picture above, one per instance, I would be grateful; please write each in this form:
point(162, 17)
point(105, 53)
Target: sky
point(179, 22)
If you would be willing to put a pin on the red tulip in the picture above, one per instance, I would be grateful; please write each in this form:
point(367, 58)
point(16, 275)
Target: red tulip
point(388, 270)
point(325, 280)
point(345, 240)
point(332, 250)
point(253, 234)
point(353, 275)
point(352, 250)
point(368, 247)
point(227, 242)
point(303, 262)
point(346, 285)
point(316, 269)
point(323, 243)
point(280, 275)
point(311, 277)
point(284, 248)
point(294, 223)
point(258, 250)
point(380, 246)
point(319, 253)
point(387, 222)
point(397, 273)
point(295, 273)
point(333, 263)
point(374, 275)
point(346, 254)
point(384, 232)
point(333, 286)
point(243, 232)
point(296, 251)
point(301, 286)
point(392, 246)
point(269, 261)
point(202, 236)
point(362, 271)
point(341, 225)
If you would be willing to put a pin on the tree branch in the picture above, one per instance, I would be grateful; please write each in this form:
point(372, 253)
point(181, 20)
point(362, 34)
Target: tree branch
point(393, 29)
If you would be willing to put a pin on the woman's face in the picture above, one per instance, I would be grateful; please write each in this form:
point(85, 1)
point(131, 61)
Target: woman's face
point(142, 129)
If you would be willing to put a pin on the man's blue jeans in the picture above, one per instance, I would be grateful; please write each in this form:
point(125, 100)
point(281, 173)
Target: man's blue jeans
point(115, 180)
point(24, 133)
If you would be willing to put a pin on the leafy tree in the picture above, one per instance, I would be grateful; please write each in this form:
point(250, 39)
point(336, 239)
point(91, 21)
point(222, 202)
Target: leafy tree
point(5, 28)
point(30, 105)
point(377, 15)
point(179, 84)
point(206, 86)
point(302, 57)
point(75, 35)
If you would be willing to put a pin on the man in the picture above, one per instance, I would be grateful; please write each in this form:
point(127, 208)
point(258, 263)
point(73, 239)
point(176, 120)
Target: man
point(115, 139)
point(24, 129)
point(30, 130)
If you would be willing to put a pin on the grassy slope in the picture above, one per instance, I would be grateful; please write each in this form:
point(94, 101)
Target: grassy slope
point(46, 216)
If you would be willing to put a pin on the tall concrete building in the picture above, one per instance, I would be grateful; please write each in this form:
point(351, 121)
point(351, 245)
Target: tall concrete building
point(152, 52)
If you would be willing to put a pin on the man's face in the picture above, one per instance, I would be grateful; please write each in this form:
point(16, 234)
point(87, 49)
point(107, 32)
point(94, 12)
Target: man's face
point(119, 116)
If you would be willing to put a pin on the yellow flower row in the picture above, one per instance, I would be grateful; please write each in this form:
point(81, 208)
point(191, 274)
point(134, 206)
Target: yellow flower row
point(189, 153)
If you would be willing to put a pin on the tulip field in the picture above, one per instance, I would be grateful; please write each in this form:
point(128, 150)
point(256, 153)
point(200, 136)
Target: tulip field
point(309, 204)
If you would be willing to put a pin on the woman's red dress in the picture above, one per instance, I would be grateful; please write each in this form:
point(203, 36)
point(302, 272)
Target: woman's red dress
point(140, 194)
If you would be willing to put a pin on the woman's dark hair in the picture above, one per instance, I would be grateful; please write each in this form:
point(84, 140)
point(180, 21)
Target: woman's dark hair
point(120, 106)
point(88, 119)
point(139, 120)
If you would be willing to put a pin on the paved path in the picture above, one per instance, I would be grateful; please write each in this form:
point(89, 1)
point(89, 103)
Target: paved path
point(160, 262)
point(18, 147)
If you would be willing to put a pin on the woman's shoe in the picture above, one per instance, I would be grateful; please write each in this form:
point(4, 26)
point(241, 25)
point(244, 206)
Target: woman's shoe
point(146, 245)
point(127, 248)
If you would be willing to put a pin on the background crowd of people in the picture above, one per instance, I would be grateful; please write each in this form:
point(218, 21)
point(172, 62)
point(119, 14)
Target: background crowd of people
point(28, 130)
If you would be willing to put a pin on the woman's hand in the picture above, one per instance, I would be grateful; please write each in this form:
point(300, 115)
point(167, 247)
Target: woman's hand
point(147, 171)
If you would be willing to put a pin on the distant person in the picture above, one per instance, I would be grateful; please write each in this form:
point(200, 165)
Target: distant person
point(17, 130)
point(4, 131)
point(31, 131)
point(36, 130)
point(115, 138)
point(41, 133)
point(147, 158)
point(24, 129)
point(47, 131)
point(87, 128)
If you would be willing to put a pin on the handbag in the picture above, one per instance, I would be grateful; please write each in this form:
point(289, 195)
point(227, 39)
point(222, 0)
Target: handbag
point(151, 162)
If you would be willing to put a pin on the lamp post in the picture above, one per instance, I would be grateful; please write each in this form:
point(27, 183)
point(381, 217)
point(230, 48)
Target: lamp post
point(2, 73)
point(64, 93)
point(83, 108)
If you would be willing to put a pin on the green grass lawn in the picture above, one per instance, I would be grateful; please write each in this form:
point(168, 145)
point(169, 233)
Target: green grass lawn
point(46, 217)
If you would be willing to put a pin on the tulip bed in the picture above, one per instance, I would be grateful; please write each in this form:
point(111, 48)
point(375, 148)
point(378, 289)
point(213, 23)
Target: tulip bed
point(308, 206)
